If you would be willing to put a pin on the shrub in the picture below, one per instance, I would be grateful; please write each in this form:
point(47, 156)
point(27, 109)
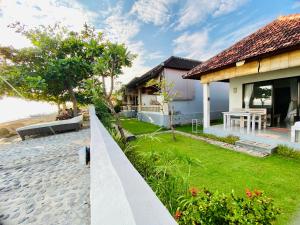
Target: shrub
point(287, 151)
point(156, 170)
point(230, 139)
point(210, 208)
point(103, 112)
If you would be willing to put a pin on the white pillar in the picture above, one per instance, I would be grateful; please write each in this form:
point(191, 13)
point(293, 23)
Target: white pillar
point(128, 102)
point(139, 100)
point(206, 106)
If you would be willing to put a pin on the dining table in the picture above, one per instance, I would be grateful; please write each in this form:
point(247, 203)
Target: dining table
point(251, 118)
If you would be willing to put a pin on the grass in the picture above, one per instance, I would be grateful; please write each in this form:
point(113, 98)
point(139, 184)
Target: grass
point(187, 128)
point(137, 127)
point(226, 170)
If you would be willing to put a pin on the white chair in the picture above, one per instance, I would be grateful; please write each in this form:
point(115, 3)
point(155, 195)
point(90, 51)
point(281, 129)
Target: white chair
point(294, 129)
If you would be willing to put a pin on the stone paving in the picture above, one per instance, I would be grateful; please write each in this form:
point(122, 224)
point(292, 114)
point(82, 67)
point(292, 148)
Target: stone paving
point(42, 181)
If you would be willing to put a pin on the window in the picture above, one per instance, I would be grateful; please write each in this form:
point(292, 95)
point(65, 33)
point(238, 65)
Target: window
point(258, 95)
point(262, 95)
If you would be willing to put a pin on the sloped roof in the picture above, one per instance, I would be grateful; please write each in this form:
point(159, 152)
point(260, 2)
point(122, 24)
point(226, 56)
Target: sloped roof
point(281, 35)
point(173, 62)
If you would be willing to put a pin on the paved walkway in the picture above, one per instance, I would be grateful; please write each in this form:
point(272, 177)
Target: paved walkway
point(42, 182)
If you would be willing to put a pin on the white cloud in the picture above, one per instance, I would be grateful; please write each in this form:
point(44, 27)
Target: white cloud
point(149, 11)
point(40, 12)
point(195, 11)
point(121, 28)
point(155, 55)
point(296, 5)
point(191, 45)
point(199, 46)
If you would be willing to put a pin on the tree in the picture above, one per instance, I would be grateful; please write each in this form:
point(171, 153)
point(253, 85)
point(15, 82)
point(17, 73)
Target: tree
point(166, 90)
point(59, 59)
point(109, 67)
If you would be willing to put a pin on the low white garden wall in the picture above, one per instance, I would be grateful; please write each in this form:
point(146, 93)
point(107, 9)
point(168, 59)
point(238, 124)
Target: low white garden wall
point(119, 195)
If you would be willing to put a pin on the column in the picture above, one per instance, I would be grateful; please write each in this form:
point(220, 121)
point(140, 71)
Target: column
point(128, 102)
point(139, 100)
point(206, 106)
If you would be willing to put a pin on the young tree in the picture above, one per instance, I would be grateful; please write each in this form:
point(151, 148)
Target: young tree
point(109, 67)
point(166, 90)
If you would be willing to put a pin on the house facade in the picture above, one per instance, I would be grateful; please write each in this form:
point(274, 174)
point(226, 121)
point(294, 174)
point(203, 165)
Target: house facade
point(147, 103)
point(263, 72)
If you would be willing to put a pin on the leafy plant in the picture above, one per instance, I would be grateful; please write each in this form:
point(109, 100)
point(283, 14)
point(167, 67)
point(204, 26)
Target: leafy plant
point(230, 139)
point(166, 90)
point(205, 207)
point(287, 151)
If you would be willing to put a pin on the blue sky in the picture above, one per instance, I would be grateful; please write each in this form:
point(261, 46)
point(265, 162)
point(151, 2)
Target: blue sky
point(154, 29)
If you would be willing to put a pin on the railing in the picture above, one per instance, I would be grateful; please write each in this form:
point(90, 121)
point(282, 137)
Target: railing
point(119, 195)
point(127, 107)
point(151, 108)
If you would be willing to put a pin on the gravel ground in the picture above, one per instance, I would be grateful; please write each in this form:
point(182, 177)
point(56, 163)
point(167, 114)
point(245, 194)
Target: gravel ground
point(42, 182)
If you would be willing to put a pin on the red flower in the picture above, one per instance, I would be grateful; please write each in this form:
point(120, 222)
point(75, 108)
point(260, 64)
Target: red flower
point(177, 215)
point(257, 192)
point(248, 193)
point(194, 191)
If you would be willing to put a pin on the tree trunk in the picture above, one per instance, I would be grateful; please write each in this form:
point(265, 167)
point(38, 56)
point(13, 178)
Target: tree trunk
point(118, 121)
point(171, 122)
point(74, 100)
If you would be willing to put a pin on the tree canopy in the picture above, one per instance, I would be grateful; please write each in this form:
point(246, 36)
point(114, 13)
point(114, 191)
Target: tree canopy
point(64, 65)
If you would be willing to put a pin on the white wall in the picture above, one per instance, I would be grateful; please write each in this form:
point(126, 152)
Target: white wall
point(184, 89)
point(236, 84)
point(119, 195)
point(146, 99)
point(219, 92)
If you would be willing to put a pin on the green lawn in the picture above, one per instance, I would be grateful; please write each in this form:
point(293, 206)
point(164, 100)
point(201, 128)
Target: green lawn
point(137, 127)
point(188, 127)
point(226, 170)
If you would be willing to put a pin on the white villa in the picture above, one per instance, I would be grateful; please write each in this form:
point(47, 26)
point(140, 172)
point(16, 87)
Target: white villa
point(263, 72)
point(144, 102)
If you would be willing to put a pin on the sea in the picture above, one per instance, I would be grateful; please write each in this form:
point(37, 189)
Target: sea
point(12, 108)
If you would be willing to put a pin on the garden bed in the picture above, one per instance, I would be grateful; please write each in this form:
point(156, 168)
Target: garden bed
point(222, 170)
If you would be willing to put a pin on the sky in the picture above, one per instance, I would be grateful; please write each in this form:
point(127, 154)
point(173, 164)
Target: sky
point(152, 29)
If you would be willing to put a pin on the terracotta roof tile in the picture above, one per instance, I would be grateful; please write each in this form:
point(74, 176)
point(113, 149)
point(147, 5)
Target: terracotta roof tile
point(283, 34)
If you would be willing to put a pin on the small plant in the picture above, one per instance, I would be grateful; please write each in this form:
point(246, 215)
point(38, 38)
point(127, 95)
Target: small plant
point(205, 207)
point(287, 151)
point(230, 139)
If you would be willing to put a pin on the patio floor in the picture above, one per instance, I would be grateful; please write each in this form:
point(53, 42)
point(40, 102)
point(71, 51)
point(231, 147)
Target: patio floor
point(270, 135)
point(42, 182)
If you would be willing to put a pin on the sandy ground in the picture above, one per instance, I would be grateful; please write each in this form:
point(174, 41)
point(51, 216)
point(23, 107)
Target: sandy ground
point(13, 125)
point(42, 182)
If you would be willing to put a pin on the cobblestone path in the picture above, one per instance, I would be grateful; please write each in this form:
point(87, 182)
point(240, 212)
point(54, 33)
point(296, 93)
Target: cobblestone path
point(42, 182)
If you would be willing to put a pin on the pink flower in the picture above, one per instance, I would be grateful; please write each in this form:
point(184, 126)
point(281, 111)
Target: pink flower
point(248, 193)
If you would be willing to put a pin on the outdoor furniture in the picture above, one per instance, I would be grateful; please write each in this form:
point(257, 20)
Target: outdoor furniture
point(242, 115)
point(196, 124)
point(249, 116)
point(294, 129)
point(259, 115)
point(51, 127)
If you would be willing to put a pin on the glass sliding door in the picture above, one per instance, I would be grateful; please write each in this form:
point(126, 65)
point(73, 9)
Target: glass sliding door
point(280, 97)
point(260, 95)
